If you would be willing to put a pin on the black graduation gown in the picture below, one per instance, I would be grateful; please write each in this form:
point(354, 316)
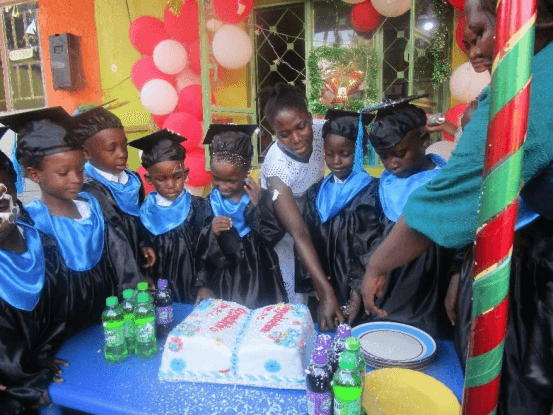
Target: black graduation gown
point(345, 242)
point(527, 373)
point(244, 270)
point(127, 234)
point(175, 253)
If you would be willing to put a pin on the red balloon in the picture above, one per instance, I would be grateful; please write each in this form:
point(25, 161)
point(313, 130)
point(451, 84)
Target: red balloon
point(364, 17)
point(233, 11)
point(453, 115)
point(159, 120)
point(186, 125)
point(144, 70)
point(458, 4)
point(194, 60)
point(146, 32)
point(198, 176)
point(190, 101)
point(184, 27)
point(459, 34)
point(147, 186)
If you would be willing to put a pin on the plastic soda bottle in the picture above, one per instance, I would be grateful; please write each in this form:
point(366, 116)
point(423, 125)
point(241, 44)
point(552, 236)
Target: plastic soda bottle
point(318, 379)
point(353, 346)
point(115, 347)
point(146, 341)
point(164, 309)
point(339, 345)
point(142, 287)
point(128, 314)
point(324, 341)
point(346, 386)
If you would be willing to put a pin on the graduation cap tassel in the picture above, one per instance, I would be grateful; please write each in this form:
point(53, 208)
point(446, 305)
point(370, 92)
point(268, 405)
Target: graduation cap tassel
point(19, 182)
point(358, 158)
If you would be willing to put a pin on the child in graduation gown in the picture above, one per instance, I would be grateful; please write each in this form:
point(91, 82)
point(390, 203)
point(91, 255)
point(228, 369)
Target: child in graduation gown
point(343, 212)
point(235, 256)
point(118, 190)
point(415, 292)
point(34, 286)
point(171, 214)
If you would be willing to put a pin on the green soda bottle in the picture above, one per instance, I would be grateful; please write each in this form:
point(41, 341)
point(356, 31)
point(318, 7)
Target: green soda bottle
point(346, 386)
point(142, 287)
point(115, 347)
point(352, 345)
point(128, 314)
point(145, 321)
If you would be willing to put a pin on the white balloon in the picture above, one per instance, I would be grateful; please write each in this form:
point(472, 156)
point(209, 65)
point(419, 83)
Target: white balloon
point(232, 47)
point(186, 78)
point(391, 8)
point(353, 1)
point(159, 97)
point(465, 83)
point(170, 56)
point(441, 148)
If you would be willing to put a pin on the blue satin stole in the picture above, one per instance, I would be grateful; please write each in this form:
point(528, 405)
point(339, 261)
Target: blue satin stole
point(333, 197)
point(222, 206)
point(22, 275)
point(161, 219)
point(81, 242)
point(395, 191)
point(525, 214)
point(125, 195)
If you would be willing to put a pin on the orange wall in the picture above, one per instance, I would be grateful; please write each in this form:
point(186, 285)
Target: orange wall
point(75, 17)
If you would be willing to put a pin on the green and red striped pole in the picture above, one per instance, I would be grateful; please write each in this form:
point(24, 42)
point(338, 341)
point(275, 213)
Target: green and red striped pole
point(508, 120)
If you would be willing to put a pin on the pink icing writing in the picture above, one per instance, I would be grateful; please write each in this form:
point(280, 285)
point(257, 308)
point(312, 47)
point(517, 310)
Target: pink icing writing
point(280, 312)
point(229, 320)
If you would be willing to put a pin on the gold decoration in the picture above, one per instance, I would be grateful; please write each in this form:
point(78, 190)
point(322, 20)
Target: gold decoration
point(175, 6)
point(341, 82)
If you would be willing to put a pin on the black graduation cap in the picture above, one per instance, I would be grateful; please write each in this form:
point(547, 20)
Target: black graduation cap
point(42, 132)
point(332, 114)
point(163, 145)
point(394, 120)
point(216, 129)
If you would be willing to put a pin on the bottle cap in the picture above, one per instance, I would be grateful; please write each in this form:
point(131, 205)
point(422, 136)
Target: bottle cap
point(162, 284)
point(112, 301)
point(324, 341)
point(343, 331)
point(128, 293)
point(142, 286)
point(348, 361)
point(142, 298)
point(352, 343)
point(319, 356)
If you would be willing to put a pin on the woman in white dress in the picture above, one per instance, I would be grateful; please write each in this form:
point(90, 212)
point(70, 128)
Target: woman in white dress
point(292, 164)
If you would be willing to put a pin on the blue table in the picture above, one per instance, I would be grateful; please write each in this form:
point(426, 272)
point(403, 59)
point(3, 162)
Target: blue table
point(132, 387)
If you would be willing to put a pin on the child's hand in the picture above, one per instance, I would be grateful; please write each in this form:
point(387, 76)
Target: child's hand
point(451, 298)
point(253, 189)
point(373, 286)
point(54, 366)
point(352, 308)
point(203, 294)
point(329, 315)
point(149, 255)
point(221, 224)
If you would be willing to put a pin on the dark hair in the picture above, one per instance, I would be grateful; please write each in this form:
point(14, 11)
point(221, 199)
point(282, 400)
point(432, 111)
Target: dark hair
point(347, 127)
point(488, 6)
point(280, 97)
point(92, 122)
point(232, 147)
point(6, 166)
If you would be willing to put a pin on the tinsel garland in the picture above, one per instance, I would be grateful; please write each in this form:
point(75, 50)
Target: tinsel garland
point(366, 61)
point(439, 43)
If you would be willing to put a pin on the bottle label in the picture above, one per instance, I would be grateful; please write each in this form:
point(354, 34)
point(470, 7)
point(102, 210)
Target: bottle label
point(347, 407)
point(146, 332)
point(319, 403)
point(114, 335)
point(164, 315)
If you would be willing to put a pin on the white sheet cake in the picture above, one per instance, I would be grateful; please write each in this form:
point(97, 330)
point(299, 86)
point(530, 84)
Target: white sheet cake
point(224, 342)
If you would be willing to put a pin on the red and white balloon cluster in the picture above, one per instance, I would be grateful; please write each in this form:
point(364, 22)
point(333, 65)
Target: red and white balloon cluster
point(168, 74)
point(365, 15)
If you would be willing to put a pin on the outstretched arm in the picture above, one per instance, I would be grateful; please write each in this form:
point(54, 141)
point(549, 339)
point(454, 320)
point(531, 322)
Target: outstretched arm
point(402, 245)
point(287, 211)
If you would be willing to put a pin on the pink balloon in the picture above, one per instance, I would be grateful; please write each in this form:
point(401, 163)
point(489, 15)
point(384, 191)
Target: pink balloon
point(233, 11)
point(184, 27)
point(144, 69)
point(146, 32)
point(186, 125)
point(195, 161)
point(194, 60)
point(190, 101)
point(159, 120)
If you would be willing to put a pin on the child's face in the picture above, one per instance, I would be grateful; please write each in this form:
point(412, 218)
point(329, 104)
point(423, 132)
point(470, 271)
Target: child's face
point(8, 197)
point(107, 150)
point(339, 155)
point(229, 179)
point(406, 157)
point(61, 175)
point(294, 129)
point(168, 178)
